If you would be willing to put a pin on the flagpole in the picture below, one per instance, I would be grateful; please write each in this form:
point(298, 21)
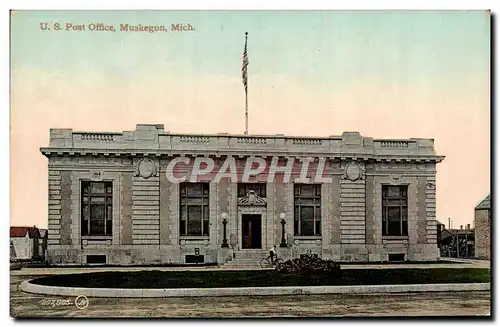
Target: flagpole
point(245, 82)
point(246, 111)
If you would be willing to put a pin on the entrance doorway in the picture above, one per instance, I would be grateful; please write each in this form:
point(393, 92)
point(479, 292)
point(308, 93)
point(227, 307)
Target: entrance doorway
point(251, 231)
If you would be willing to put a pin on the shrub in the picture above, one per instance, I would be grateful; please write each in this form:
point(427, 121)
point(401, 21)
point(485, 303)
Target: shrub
point(309, 263)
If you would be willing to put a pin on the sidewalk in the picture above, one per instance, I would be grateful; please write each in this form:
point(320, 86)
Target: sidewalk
point(449, 263)
point(463, 263)
point(28, 287)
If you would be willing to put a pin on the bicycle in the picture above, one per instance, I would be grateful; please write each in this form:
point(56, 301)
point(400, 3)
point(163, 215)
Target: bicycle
point(266, 262)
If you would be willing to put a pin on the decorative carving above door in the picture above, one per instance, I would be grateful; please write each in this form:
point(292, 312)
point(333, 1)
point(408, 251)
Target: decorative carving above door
point(251, 199)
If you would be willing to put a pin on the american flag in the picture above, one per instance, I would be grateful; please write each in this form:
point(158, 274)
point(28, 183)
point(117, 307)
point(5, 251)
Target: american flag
point(244, 74)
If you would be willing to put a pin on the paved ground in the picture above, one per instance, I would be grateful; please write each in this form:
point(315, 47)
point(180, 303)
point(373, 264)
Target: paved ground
point(417, 304)
point(51, 271)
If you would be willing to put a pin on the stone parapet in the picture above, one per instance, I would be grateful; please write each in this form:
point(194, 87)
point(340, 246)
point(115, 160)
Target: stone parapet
point(153, 139)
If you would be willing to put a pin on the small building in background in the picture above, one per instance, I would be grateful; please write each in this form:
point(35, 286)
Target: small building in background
point(440, 228)
point(456, 243)
point(12, 250)
point(42, 244)
point(482, 226)
point(24, 243)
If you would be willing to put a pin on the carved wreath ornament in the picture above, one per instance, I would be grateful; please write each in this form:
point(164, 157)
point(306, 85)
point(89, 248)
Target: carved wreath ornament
point(353, 171)
point(145, 168)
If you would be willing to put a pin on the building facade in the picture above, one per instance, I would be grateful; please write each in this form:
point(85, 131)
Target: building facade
point(482, 228)
point(149, 196)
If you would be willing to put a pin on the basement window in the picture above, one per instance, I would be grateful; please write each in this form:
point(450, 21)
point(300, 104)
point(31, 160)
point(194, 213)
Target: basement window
point(395, 257)
point(190, 258)
point(96, 259)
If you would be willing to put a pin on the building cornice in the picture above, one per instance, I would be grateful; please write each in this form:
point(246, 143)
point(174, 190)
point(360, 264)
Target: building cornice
point(51, 152)
point(152, 140)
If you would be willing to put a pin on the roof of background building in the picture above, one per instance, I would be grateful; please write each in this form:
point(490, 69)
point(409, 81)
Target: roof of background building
point(33, 232)
point(485, 204)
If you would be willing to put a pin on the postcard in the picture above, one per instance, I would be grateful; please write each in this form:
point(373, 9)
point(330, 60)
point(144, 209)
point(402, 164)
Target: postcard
point(236, 164)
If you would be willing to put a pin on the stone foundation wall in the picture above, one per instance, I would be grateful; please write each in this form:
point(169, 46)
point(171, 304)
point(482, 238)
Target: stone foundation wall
point(147, 254)
point(126, 255)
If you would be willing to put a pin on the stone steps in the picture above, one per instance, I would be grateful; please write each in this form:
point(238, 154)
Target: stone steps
point(243, 263)
point(247, 258)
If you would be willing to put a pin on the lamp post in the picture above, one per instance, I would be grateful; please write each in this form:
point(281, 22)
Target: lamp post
point(283, 222)
point(224, 223)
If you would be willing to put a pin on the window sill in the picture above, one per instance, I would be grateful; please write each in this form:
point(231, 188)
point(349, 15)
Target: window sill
point(95, 237)
point(395, 238)
point(317, 237)
point(194, 237)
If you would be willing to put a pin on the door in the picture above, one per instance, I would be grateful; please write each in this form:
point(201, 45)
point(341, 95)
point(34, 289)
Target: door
point(251, 231)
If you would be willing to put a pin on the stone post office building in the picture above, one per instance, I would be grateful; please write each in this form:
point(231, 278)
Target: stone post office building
point(111, 201)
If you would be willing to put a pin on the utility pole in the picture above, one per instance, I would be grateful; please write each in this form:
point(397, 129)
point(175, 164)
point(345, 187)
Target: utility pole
point(467, 242)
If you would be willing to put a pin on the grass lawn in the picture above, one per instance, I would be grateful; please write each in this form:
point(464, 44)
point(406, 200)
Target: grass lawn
point(262, 278)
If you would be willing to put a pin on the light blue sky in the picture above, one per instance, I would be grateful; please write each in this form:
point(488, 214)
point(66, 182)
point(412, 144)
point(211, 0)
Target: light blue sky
point(331, 47)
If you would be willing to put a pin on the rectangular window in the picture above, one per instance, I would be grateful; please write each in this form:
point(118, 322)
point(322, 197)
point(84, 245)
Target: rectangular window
point(258, 188)
point(396, 257)
point(96, 259)
point(190, 258)
point(394, 210)
point(307, 209)
point(97, 208)
point(194, 209)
